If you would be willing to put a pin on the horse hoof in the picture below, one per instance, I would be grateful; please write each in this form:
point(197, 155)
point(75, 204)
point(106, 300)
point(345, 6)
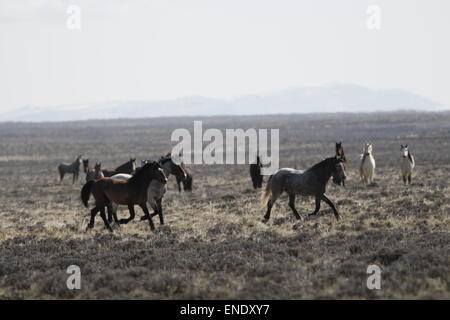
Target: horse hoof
point(264, 220)
point(143, 218)
point(110, 229)
point(89, 226)
point(123, 221)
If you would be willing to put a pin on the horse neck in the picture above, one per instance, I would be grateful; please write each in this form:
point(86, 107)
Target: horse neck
point(140, 180)
point(167, 168)
point(128, 166)
point(323, 173)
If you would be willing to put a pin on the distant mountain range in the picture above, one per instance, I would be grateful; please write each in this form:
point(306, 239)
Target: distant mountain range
point(332, 98)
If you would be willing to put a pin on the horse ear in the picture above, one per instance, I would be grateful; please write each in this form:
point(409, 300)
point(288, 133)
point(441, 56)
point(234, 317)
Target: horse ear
point(406, 146)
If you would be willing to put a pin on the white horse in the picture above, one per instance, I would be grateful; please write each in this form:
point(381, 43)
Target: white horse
point(367, 168)
point(407, 164)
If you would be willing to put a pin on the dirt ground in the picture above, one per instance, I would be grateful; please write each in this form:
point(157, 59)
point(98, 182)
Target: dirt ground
point(214, 245)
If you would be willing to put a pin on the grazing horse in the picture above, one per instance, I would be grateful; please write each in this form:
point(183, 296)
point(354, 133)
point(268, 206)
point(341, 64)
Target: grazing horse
point(407, 164)
point(311, 182)
point(94, 174)
point(340, 154)
point(131, 192)
point(367, 168)
point(255, 173)
point(179, 170)
point(73, 168)
point(187, 183)
point(127, 167)
point(170, 167)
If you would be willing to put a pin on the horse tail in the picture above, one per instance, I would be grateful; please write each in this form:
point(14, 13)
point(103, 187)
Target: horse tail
point(267, 190)
point(61, 172)
point(86, 192)
point(189, 183)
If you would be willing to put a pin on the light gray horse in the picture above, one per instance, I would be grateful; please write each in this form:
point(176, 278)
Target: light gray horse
point(311, 182)
point(73, 168)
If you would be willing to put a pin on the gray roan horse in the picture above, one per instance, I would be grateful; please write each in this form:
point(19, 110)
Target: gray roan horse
point(311, 182)
point(73, 168)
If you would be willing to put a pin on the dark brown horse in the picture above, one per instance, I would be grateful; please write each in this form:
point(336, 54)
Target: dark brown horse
point(311, 182)
point(340, 154)
point(127, 167)
point(255, 173)
point(131, 192)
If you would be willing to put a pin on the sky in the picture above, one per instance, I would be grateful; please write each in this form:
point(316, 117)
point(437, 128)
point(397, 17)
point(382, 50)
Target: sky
point(168, 49)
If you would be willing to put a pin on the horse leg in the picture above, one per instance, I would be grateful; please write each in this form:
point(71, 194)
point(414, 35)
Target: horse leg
point(93, 214)
point(292, 206)
point(317, 207)
point(132, 215)
point(409, 178)
point(331, 204)
point(150, 221)
point(110, 213)
point(105, 221)
point(159, 208)
point(404, 178)
point(114, 213)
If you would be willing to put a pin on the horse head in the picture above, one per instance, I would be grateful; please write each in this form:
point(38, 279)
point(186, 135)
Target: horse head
point(339, 175)
point(367, 148)
point(85, 165)
point(154, 171)
point(404, 150)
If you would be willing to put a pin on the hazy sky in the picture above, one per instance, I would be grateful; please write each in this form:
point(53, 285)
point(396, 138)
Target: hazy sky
point(164, 49)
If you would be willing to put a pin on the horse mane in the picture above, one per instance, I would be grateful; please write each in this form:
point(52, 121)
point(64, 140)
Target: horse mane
point(138, 174)
point(322, 164)
point(163, 160)
point(123, 165)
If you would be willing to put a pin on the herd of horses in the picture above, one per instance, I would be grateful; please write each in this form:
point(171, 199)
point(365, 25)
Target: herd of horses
point(146, 185)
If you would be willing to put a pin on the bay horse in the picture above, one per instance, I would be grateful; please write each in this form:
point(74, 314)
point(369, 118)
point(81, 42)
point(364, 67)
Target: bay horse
point(127, 167)
point(407, 164)
point(341, 154)
point(73, 168)
point(156, 192)
point(156, 189)
point(311, 182)
point(94, 174)
point(131, 192)
point(367, 168)
point(255, 173)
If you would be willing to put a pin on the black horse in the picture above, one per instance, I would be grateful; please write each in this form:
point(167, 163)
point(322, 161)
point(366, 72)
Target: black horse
point(255, 173)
